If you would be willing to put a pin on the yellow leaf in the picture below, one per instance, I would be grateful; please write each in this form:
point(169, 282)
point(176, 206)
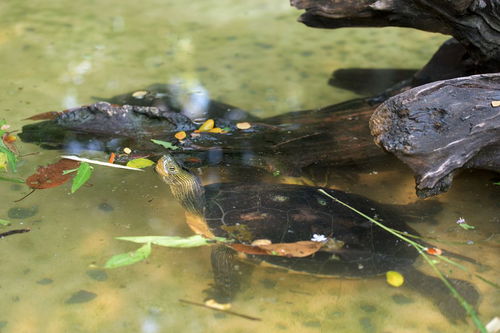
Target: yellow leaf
point(216, 130)
point(180, 135)
point(3, 161)
point(140, 163)
point(207, 125)
point(394, 278)
point(244, 125)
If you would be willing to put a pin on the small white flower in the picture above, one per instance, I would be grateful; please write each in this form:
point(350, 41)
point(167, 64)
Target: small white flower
point(5, 127)
point(319, 238)
point(460, 220)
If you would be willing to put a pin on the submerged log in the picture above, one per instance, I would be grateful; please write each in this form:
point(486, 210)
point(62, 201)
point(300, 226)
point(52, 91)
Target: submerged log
point(441, 127)
point(335, 135)
point(474, 23)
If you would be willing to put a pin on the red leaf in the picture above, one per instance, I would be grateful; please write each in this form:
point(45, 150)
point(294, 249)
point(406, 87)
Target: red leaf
point(52, 174)
point(45, 116)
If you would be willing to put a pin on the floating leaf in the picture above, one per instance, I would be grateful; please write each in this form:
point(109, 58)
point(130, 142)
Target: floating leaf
point(434, 251)
point(174, 241)
point(180, 135)
point(466, 226)
point(65, 172)
point(4, 222)
point(3, 160)
point(165, 144)
point(140, 163)
point(207, 125)
point(112, 158)
point(45, 116)
point(8, 179)
point(8, 141)
point(82, 175)
point(394, 278)
point(129, 258)
point(10, 157)
point(51, 175)
point(297, 249)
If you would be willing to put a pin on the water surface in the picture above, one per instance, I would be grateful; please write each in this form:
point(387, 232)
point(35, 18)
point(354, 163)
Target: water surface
point(54, 55)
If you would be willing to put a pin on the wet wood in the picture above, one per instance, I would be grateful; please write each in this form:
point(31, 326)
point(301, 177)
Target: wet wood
point(13, 232)
point(335, 135)
point(441, 127)
point(474, 23)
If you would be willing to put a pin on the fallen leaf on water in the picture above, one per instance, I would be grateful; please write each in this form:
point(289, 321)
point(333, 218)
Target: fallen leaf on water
point(175, 241)
point(495, 103)
point(140, 163)
point(394, 278)
point(213, 304)
point(244, 125)
point(3, 160)
point(180, 135)
point(129, 258)
point(52, 175)
point(112, 158)
point(434, 251)
point(297, 249)
point(51, 115)
point(165, 144)
point(82, 175)
point(8, 179)
point(127, 150)
point(216, 130)
point(207, 125)
point(4, 222)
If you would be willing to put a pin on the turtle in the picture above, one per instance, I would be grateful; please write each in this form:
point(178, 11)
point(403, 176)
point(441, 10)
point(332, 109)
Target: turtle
point(258, 216)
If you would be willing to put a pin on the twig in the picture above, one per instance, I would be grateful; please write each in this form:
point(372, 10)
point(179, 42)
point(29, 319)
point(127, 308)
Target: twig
point(33, 190)
point(220, 310)
point(13, 232)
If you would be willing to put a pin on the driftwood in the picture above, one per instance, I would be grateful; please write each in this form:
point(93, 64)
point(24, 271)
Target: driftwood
point(441, 127)
point(335, 135)
point(474, 23)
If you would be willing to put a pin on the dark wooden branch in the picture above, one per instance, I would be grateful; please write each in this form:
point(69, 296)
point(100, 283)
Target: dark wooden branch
point(474, 23)
point(443, 126)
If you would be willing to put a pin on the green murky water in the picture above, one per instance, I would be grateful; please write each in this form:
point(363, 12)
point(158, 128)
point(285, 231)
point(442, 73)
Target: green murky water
point(55, 55)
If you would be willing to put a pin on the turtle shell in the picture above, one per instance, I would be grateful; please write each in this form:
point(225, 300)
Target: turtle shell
point(286, 213)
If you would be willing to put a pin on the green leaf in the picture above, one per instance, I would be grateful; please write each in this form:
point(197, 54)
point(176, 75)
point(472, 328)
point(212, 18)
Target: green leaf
point(65, 172)
point(466, 226)
point(140, 163)
point(82, 175)
point(497, 183)
point(165, 144)
point(174, 241)
point(4, 222)
point(10, 157)
point(12, 180)
point(129, 258)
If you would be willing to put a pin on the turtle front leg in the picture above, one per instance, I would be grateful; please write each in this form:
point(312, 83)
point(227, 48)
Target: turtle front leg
point(227, 274)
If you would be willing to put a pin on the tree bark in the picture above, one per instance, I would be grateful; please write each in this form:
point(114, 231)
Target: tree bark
point(441, 127)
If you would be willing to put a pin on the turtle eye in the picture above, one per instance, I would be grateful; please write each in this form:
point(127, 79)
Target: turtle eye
point(171, 169)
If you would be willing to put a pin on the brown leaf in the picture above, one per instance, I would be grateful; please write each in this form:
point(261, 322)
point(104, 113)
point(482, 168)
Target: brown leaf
point(297, 249)
point(248, 249)
point(52, 174)
point(9, 142)
point(45, 116)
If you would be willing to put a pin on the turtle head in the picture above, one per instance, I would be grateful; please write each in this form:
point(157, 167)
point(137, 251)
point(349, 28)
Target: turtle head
point(185, 186)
